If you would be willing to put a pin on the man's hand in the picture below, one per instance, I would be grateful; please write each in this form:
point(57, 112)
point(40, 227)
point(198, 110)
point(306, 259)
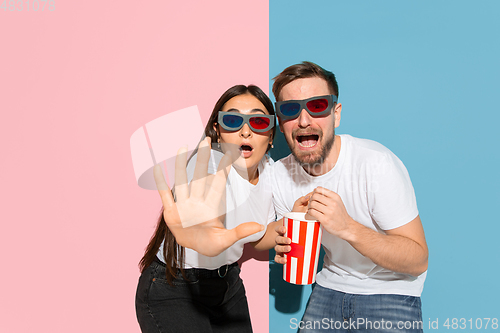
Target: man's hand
point(282, 242)
point(195, 218)
point(402, 249)
point(300, 205)
point(328, 208)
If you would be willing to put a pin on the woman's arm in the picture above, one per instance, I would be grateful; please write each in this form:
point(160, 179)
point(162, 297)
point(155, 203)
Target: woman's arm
point(268, 241)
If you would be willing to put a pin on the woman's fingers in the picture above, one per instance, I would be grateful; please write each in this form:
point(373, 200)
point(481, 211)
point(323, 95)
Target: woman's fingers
point(243, 230)
point(218, 186)
point(201, 169)
point(282, 248)
point(280, 228)
point(280, 258)
point(282, 240)
point(170, 212)
point(281, 244)
point(181, 184)
point(162, 186)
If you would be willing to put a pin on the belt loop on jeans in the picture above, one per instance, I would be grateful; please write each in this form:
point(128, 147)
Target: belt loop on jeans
point(221, 272)
point(225, 271)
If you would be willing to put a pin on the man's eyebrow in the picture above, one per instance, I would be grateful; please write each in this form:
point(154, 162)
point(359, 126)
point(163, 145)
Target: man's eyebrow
point(253, 110)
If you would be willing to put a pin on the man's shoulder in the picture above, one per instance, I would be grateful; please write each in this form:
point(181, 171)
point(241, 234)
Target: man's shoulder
point(365, 149)
point(364, 144)
point(371, 155)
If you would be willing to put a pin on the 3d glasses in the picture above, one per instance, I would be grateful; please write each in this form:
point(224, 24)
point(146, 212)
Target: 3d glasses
point(315, 106)
point(233, 121)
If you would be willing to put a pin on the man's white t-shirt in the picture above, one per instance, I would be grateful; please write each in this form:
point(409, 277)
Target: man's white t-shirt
point(376, 190)
point(245, 202)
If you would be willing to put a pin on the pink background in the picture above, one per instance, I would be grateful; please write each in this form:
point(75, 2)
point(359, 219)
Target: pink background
point(75, 84)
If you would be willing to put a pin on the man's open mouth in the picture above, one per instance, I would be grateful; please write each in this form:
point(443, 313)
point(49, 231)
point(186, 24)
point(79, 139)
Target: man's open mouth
point(307, 141)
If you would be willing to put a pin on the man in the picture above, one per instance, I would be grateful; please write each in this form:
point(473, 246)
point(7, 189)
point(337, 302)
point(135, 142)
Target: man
point(375, 250)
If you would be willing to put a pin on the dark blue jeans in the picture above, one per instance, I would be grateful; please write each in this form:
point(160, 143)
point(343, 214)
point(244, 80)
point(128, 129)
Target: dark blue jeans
point(198, 304)
point(333, 311)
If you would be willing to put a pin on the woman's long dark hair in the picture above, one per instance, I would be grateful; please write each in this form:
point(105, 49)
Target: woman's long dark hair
point(173, 252)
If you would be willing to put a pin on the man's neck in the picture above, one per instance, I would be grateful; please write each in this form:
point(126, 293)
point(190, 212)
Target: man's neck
point(329, 162)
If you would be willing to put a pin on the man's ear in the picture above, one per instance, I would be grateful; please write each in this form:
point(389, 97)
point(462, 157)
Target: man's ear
point(279, 125)
point(336, 114)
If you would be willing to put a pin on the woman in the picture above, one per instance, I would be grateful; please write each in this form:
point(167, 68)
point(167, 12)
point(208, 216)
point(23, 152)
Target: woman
point(181, 289)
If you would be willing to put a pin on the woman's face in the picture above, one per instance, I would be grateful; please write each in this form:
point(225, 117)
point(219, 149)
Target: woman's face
point(248, 145)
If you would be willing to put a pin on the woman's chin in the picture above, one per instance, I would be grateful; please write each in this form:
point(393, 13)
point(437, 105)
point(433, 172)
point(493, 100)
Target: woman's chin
point(245, 165)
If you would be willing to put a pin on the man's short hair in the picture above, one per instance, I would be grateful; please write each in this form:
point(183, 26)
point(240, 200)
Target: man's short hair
point(301, 71)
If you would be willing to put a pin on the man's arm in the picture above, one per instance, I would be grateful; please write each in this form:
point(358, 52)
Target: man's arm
point(402, 249)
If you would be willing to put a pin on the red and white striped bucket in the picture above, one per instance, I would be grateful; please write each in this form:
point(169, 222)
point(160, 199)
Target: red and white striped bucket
point(302, 260)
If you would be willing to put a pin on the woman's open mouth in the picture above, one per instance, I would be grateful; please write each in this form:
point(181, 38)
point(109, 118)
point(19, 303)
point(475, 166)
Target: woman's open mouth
point(246, 150)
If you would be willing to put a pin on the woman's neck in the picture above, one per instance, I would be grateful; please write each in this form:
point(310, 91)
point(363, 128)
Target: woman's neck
point(250, 174)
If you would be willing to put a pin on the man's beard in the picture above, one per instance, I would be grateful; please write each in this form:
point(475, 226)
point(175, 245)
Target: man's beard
point(310, 160)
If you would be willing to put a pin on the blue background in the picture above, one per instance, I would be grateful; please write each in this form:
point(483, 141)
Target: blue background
point(421, 78)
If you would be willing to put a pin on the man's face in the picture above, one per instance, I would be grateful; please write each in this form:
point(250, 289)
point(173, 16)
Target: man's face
point(310, 138)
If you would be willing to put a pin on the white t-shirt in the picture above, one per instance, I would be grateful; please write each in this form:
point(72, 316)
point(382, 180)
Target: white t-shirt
point(377, 192)
point(245, 202)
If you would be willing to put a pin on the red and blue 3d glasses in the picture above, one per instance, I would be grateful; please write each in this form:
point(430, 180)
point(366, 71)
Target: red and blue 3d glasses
point(233, 121)
point(315, 106)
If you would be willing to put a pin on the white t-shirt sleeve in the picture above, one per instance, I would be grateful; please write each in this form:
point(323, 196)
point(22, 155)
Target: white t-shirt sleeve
point(272, 215)
point(267, 164)
point(391, 196)
point(279, 202)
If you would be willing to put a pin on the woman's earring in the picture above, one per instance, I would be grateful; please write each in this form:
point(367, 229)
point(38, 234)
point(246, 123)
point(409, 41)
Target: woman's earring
point(218, 144)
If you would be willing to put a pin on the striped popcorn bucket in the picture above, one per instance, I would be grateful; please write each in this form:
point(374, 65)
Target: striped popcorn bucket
point(302, 260)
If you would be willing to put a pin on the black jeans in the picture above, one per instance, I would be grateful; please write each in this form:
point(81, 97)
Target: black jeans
point(199, 304)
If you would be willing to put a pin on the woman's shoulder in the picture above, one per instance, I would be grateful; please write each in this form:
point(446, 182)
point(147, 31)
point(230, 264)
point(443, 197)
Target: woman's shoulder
point(265, 165)
point(267, 160)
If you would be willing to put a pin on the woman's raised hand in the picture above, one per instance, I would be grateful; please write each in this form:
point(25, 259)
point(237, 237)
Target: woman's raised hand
point(195, 218)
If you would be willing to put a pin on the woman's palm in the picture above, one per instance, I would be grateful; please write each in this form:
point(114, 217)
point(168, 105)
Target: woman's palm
point(196, 217)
